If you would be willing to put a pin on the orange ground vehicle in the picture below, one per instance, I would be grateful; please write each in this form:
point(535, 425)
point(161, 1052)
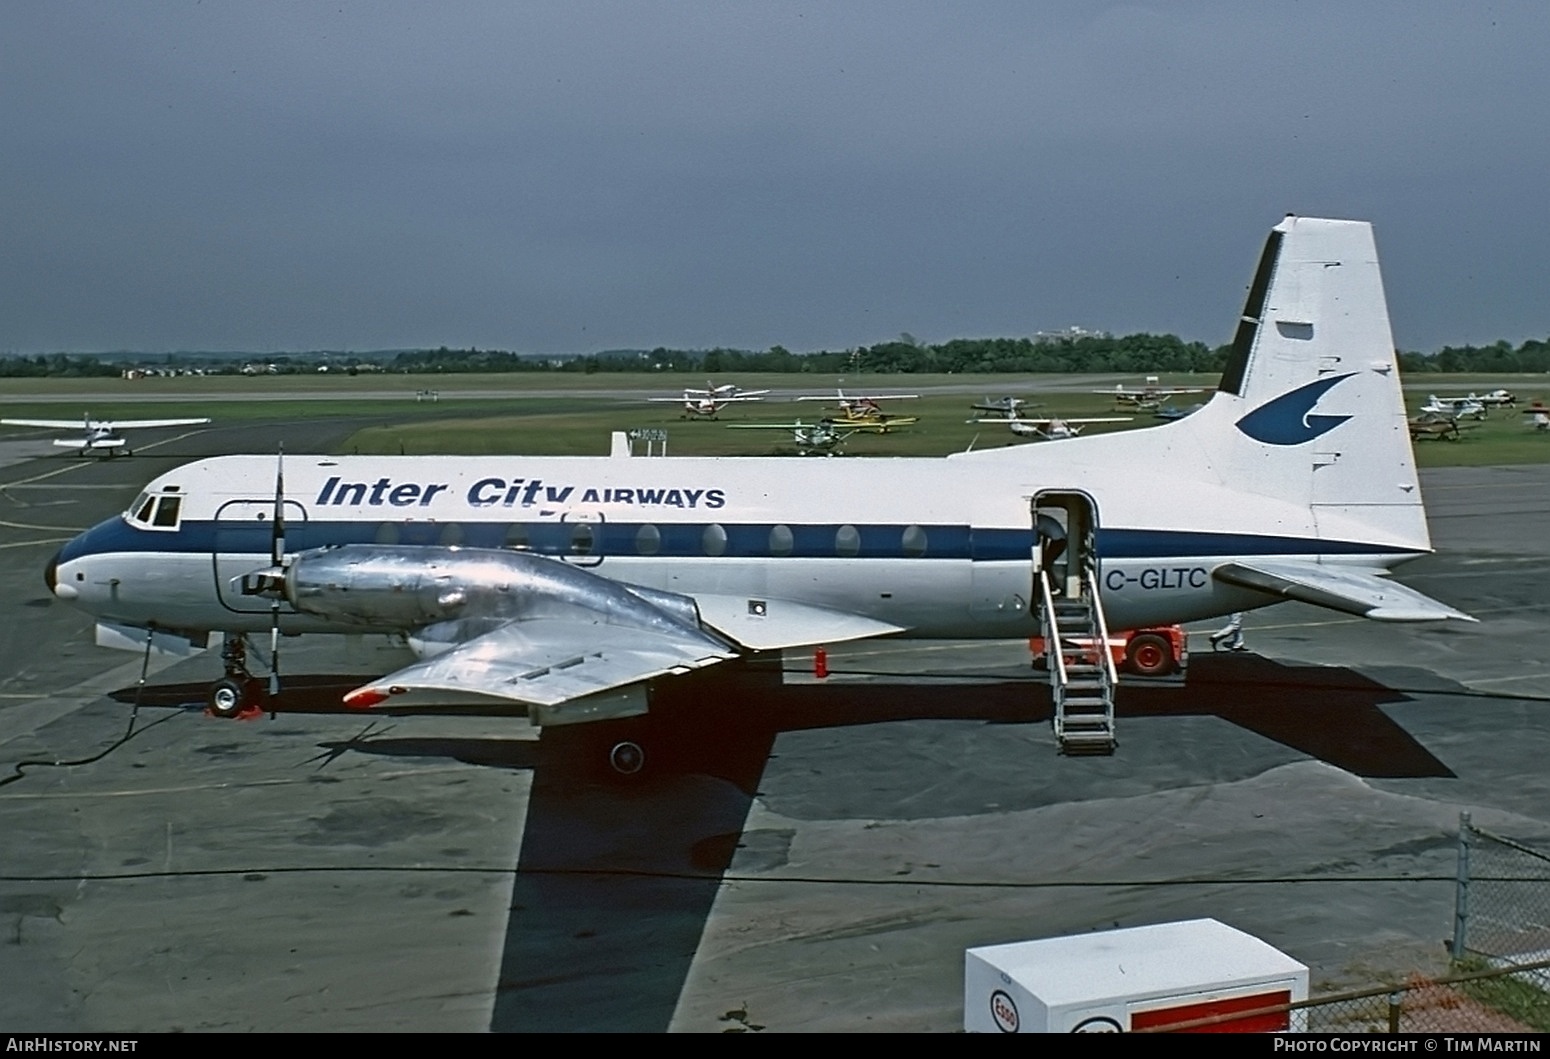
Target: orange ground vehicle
point(1156, 652)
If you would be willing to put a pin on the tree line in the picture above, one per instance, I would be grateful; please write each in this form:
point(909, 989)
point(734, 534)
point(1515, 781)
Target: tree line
point(1129, 354)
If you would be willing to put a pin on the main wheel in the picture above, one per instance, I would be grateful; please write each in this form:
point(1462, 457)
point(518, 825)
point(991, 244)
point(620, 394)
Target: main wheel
point(1149, 655)
point(227, 697)
point(627, 757)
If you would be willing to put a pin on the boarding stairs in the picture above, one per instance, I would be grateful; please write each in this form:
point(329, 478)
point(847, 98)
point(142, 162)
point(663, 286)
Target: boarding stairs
point(1080, 665)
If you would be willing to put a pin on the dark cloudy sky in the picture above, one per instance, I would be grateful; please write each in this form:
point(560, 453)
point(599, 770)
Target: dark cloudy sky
point(577, 176)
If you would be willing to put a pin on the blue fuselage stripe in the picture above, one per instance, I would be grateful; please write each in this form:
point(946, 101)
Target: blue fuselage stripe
point(696, 540)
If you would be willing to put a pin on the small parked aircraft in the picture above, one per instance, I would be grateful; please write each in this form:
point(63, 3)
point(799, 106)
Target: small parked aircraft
point(100, 437)
point(1005, 406)
point(1436, 425)
point(856, 409)
point(706, 405)
point(1539, 415)
point(1146, 398)
point(724, 392)
point(816, 437)
point(1051, 428)
point(1457, 407)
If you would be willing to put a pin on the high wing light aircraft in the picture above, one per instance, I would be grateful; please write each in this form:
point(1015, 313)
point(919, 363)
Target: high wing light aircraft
point(100, 437)
point(1498, 398)
point(724, 392)
point(1538, 416)
point(1146, 398)
point(812, 437)
point(1007, 407)
point(708, 405)
point(1051, 428)
point(1457, 407)
point(859, 408)
point(579, 587)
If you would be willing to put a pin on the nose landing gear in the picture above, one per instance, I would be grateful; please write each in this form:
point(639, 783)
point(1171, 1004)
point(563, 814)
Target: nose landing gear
point(238, 693)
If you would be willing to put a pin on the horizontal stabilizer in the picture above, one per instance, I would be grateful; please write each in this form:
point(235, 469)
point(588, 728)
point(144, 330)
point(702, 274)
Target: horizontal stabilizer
point(774, 624)
point(1360, 592)
point(542, 663)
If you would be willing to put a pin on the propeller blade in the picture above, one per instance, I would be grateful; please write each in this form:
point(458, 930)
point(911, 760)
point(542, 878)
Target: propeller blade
point(276, 560)
point(277, 535)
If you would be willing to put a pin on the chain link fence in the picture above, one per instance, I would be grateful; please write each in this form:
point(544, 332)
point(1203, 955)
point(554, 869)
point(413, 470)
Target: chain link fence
point(1502, 899)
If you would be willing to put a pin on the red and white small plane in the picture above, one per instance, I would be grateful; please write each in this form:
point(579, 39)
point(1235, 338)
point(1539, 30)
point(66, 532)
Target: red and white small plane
point(100, 437)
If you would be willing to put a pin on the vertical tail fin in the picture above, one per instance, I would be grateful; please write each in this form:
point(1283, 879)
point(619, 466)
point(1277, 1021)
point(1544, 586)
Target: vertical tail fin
point(1310, 407)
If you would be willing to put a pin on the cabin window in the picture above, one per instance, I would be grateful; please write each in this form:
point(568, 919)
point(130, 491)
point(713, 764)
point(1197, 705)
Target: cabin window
point(582, 539)
point(914, 542)
point(714, 540)
point(167, 512)
point(141, 512)
point(782, 542)
point(387, 533)
point(451, 534)
point(648, 540)
point(847, 542)
point(516, 537)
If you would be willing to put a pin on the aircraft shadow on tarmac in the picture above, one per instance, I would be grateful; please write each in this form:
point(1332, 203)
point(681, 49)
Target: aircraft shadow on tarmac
point(615, 881)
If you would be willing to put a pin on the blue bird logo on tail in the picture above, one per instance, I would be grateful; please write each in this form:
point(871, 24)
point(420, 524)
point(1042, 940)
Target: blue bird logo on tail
point(1289, 419)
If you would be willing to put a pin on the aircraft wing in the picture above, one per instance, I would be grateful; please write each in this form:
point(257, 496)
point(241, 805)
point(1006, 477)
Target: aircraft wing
point(146, 424)
point(542, 662)
point(772, 624)
point(51, 424)
point(1352, 591)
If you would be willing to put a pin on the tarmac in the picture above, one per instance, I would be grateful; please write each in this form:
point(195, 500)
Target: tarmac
point(803, 855)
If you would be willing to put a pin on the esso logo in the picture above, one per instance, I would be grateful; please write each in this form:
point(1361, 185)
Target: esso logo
point(1004, 1011)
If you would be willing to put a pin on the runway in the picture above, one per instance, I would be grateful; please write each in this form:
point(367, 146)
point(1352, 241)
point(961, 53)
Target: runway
point(810, 856)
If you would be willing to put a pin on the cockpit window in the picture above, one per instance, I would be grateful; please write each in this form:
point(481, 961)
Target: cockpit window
point(167, 511)
point(156, 511)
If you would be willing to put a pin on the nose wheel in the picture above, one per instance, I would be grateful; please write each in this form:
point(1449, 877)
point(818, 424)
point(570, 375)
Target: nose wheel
point(238, 692)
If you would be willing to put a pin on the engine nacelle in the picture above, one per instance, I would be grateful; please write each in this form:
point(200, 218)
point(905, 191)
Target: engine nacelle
point(410, 587)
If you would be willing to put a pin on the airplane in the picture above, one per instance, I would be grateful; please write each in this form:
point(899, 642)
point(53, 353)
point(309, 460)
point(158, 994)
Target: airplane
point(1005, 406)
point(581, 590)
point(707, 405)
point(1498, 398)
point(1539, 416)
point(1147, 398)
point(870, 422)
point(1436, 425)
point(818, 437)
point(1174, 412)
point(860, 409)
point(1457, 407)
point(1051, 428)
point(100, 437)
point(724, 392)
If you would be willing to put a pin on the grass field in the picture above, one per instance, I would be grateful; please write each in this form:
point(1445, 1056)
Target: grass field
point(573, 414)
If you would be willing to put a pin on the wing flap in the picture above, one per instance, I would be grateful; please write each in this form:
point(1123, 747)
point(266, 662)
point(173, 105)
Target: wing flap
point(1352, 591)
point(543, 663)
point(762, 624)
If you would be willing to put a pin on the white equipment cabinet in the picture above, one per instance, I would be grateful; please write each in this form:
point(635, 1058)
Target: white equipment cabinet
point(1115, 981)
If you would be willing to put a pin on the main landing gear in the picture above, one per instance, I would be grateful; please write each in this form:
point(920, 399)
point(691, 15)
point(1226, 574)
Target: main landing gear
point(238, 693)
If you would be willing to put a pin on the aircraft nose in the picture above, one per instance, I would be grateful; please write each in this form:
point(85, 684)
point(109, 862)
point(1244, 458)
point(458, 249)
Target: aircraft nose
point(58, 590)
